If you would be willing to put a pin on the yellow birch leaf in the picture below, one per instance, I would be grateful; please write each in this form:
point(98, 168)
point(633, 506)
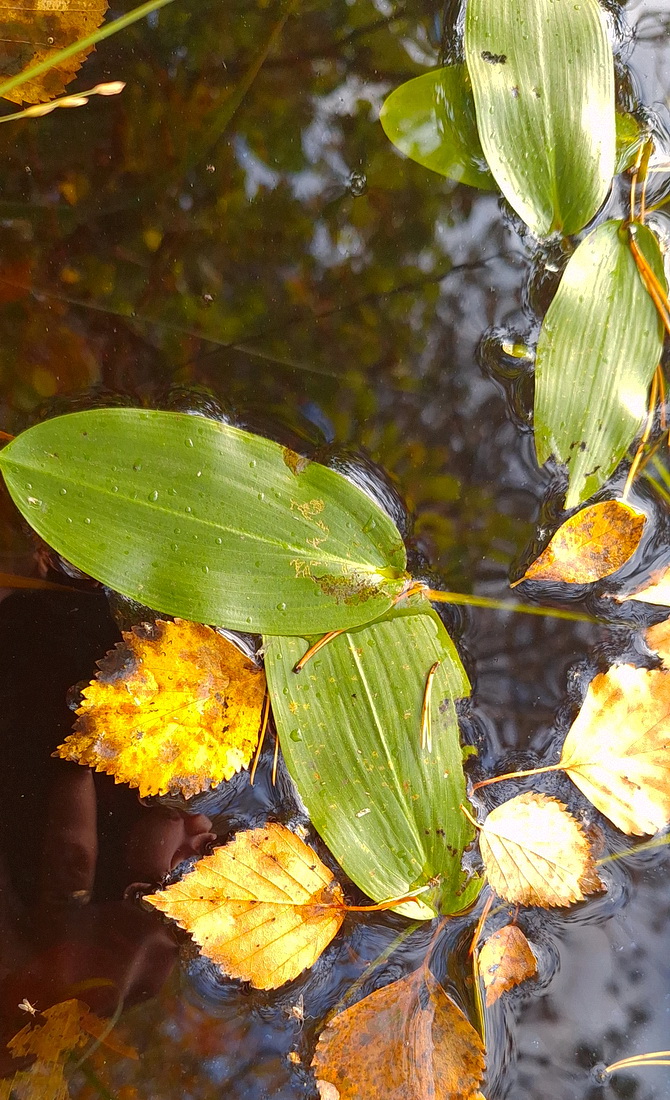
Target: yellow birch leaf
point(174, 708)
point(263, 907)
point(657, 591)
point(536, 853)
point(658, 638)
point(618, 748)
point(505, 960)
point(407, 1041)
point(34, 29)
point(590, 545)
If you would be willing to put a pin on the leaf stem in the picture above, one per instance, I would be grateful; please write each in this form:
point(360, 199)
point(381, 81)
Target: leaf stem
point(654, 1058)
point(516, 775)
point(507, 605)
point(470, 817)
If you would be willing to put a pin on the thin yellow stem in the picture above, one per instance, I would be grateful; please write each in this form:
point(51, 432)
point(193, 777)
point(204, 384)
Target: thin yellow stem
point(648, 276)
point(481, 922)
point(313, 649)
point(275, 760)
point(466, 600)
point(648, 845)
point(426, 724)
point(470, 817)
point(516, 775)
point(654, 1058)
point(661, 393)
point(391, 903)
point(653, 397)
point(647, 150)
point(261, 736)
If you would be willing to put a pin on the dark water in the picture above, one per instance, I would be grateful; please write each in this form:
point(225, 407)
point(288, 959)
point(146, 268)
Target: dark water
point(326, 290)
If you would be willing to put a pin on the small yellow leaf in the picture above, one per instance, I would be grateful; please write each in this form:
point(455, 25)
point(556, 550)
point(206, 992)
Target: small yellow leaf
point(590, 545)
point(263, 907)
point(536, 853)
point(175, 707)
point(407, 1041)
point(657, 591)
point(32, 30)
point(618, 748)
point(505, 960)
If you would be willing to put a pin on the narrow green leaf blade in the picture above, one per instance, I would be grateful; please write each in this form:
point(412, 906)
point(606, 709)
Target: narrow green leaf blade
point(350, 730)
point(202, 520)
point(598, 348)
point(543, 81)
point(431, 119)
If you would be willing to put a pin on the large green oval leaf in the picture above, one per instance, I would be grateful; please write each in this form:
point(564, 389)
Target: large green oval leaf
point(200, 519)
point(543, 80)
point(598, 348)
point(431, 119)
point(350, 730)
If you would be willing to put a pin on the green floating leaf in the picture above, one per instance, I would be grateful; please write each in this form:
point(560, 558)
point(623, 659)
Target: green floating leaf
point(598, 348)
point(202, 520)
point(630, 137)
point(351, 732)
point(431, 119)
point(543, 80)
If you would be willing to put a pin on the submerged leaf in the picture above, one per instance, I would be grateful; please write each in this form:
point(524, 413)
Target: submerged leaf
point(543, 80)
point(590, 545)
point(350, 727)
point(175, 708)
point(207, 522)
point(407, 1041)
point(536, 853)
point(263, 907)
point(618, 748)
point(598, 349)
point(506, 959)
point(431, 119)
point(35, 29)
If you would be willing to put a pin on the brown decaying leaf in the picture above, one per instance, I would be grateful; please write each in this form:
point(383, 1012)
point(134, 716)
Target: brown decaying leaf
point(66, 1026)
point(656, 591)
point(618, 748)
point(174, 708)
point(262, 907)
point(590, 545)
point(34, 29)
point(505, 960)
point(407, 1041)
point(536, 853)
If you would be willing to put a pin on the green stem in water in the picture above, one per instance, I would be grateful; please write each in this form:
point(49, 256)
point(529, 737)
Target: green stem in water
point(507, 605)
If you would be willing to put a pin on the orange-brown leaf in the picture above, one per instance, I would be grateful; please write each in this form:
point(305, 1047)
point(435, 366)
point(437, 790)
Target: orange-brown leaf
point(262, 907)
point(174, 708)
point(407, 1041)
point(32, 30)
point(590, 545)
point(536, 853)
point(658, 638)
point(505, 960)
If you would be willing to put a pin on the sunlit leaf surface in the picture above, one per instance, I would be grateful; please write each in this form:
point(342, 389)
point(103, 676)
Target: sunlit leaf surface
point(543, 80)
point(431, 119)
point(351, 733)
point(201, 520)
point(599, 345)
point(407, 1041)
point(505, 960)
point(535, 852)
point(262, 907)
point(36, 28)
point(590, 545)
point(175, 708)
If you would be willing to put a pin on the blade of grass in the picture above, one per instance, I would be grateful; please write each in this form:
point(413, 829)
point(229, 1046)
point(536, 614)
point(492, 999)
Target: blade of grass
point(83, 44)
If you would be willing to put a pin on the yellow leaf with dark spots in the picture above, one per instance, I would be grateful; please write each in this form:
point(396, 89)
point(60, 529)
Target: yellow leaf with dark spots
point(263, 907)
point(175, 708)
point(618, 748)
point(536, 853)
point(407, 1041)
point(34, 29)
point(590, 545)
point(506, 959)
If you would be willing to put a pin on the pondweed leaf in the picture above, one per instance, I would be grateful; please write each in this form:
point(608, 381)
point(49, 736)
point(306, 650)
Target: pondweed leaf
point(205, 521)
point(175, 708)
point(263, 907)
point(536, 853)
point(599, 345)
point(542, 74)
point(590, 545)
point(407, 1041)
point(350, 726)
point(505, 960)
point(431, 119)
